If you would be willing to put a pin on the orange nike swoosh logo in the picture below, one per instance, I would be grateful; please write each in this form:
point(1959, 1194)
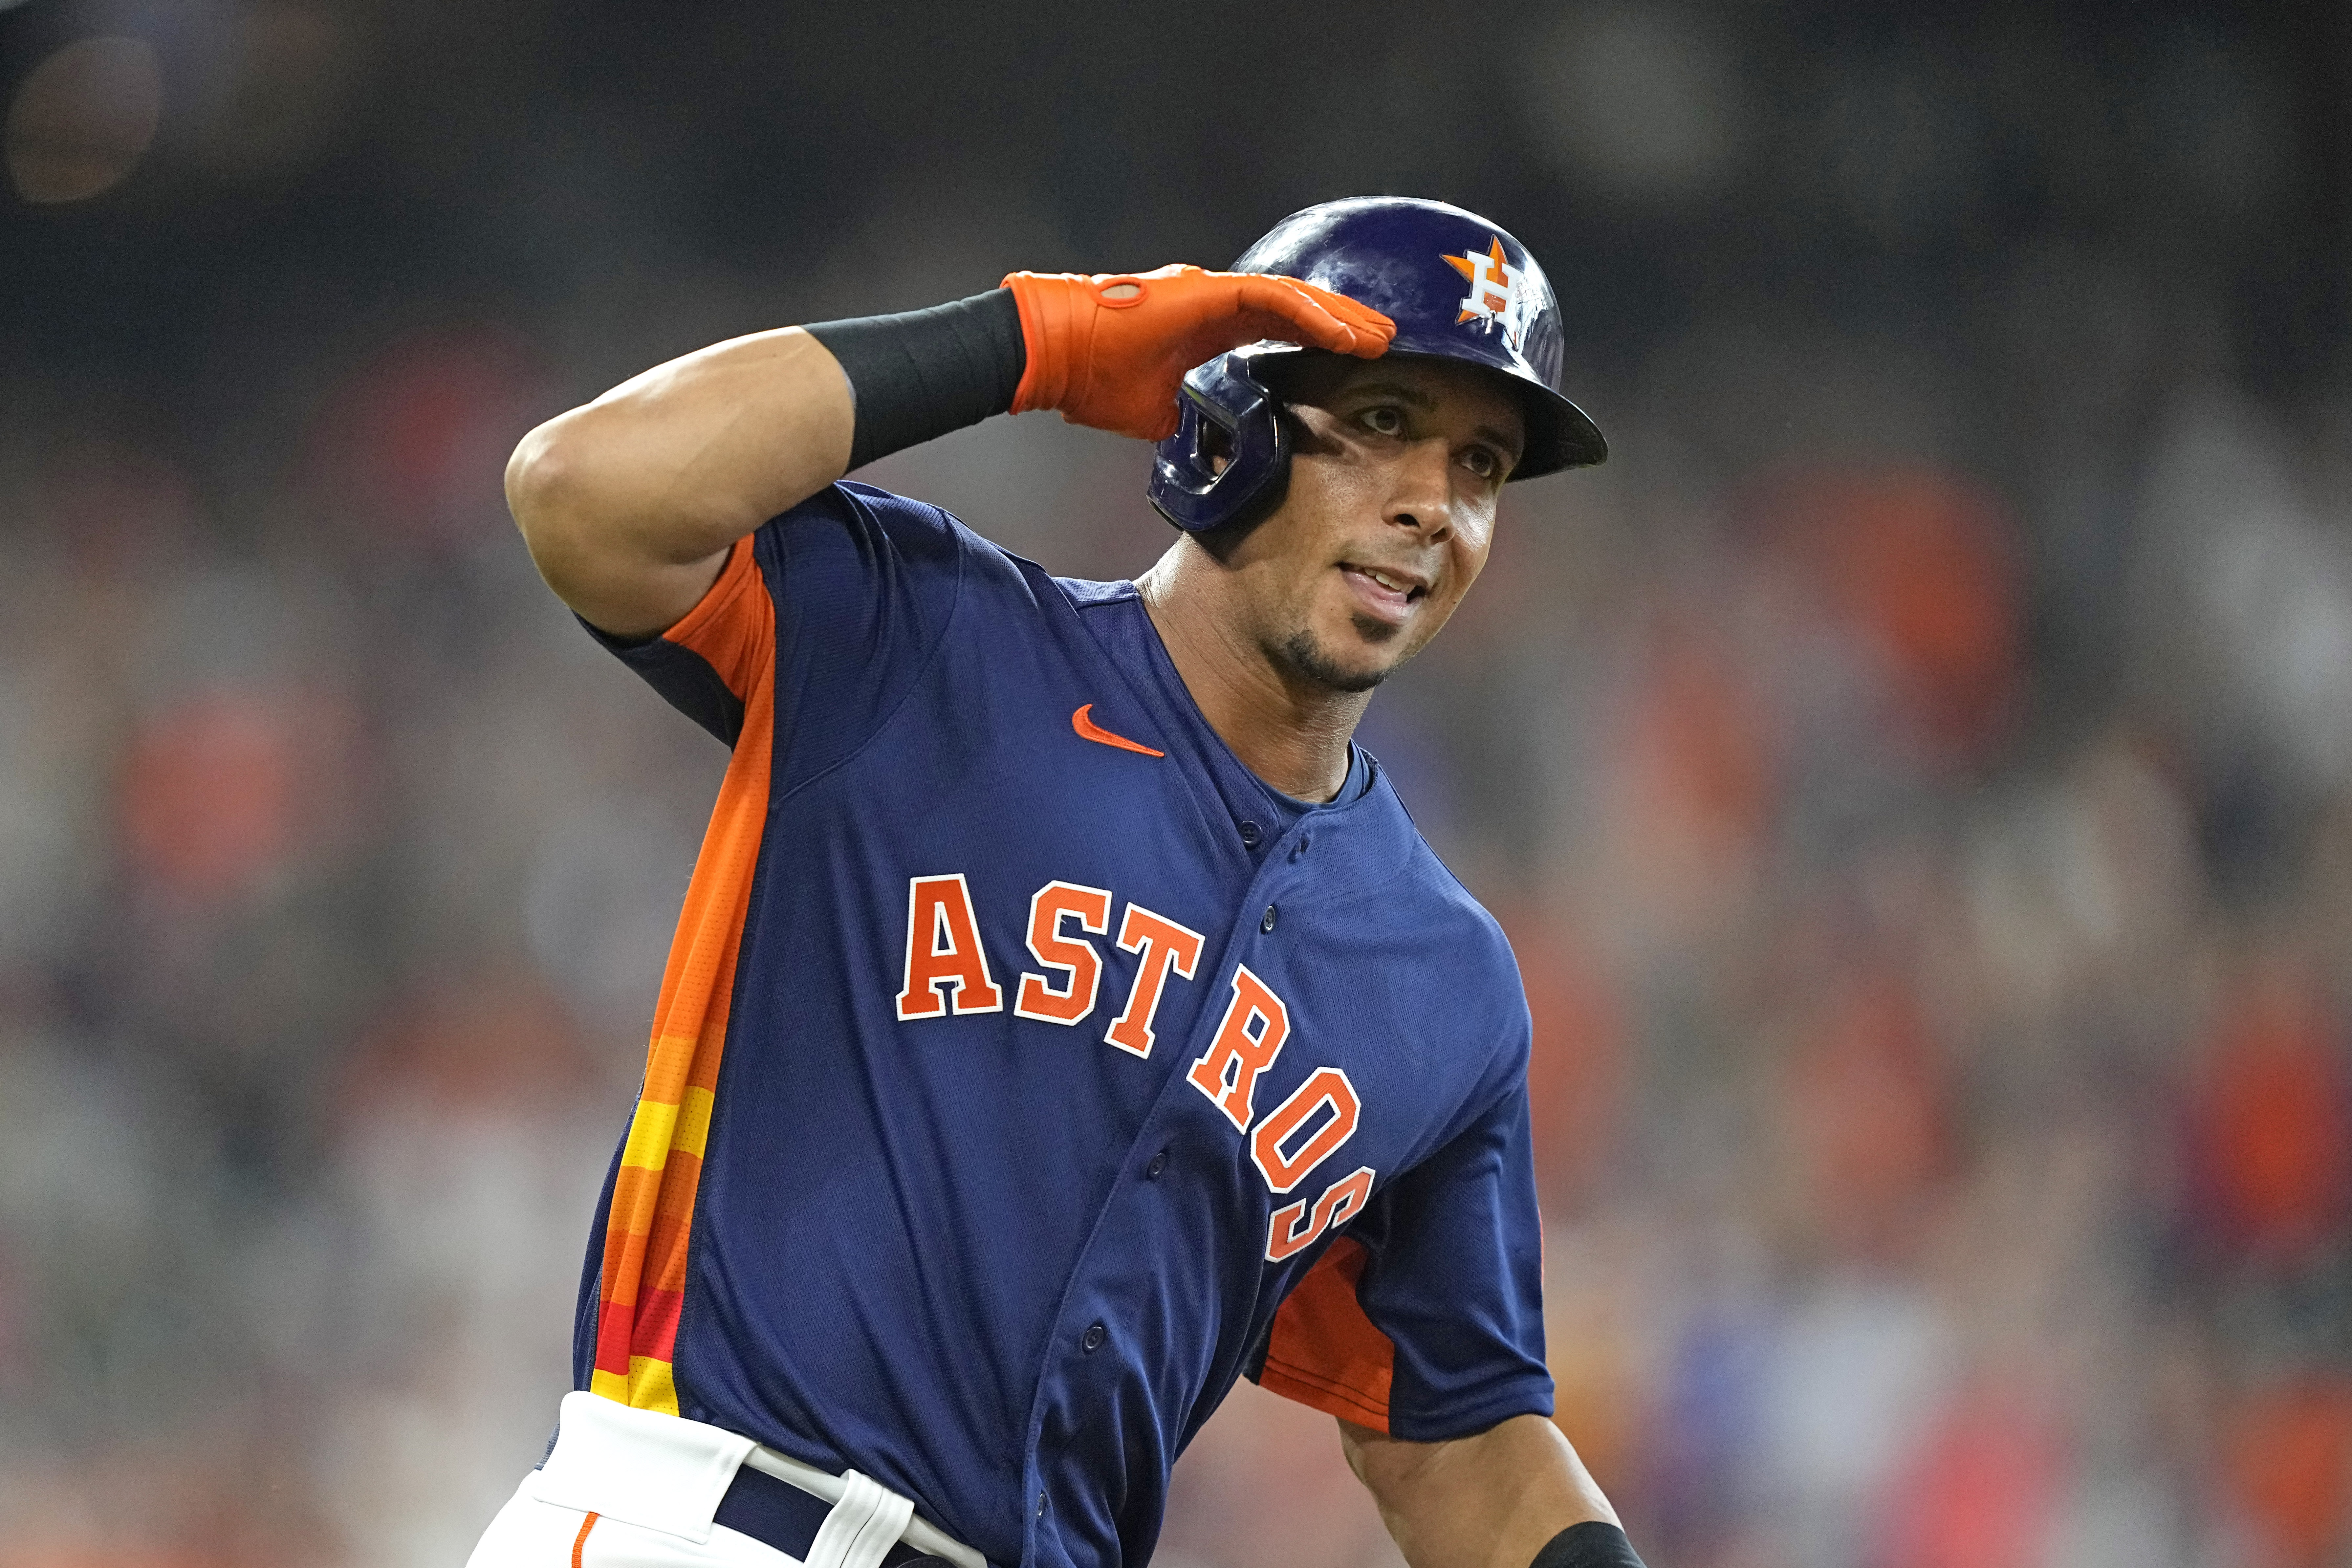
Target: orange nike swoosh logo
point(1089, 731)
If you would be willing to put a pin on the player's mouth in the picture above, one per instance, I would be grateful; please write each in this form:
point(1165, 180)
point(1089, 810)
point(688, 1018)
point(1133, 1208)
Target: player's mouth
point(1385, 592)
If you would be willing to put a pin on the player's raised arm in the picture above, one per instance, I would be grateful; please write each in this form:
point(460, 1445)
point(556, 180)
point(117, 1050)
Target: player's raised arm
point(629, 503)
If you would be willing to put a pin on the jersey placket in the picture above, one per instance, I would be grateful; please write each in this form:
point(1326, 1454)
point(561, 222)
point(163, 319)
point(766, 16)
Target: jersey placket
point(1086, 1327)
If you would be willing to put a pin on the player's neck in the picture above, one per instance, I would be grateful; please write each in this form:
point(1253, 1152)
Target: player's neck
point(1291, 732)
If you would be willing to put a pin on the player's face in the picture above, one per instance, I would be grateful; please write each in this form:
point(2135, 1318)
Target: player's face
point(1394, 478)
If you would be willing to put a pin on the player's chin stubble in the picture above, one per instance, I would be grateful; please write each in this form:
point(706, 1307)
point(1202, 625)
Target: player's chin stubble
point(1301, 658)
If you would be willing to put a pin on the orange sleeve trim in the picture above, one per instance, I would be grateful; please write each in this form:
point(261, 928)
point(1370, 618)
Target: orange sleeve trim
point(733, 625)
point(1323, 1353)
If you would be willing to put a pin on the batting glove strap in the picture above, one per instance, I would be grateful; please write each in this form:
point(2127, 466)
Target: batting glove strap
point(1592, 1544)
point(926, 372)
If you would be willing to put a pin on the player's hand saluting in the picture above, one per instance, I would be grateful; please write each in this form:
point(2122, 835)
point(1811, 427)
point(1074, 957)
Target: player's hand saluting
point(1108, 351)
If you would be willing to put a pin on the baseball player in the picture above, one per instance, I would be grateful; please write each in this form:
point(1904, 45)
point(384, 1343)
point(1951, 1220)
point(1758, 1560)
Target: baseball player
point(1065, 1018)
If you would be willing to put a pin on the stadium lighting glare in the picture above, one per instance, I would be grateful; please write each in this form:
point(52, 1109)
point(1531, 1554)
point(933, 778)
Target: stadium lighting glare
point(82, 118)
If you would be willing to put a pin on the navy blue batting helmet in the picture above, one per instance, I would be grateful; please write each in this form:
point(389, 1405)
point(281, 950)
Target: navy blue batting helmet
point(1457, 286)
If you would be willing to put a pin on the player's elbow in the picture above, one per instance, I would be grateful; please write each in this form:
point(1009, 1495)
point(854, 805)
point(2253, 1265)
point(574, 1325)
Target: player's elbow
point(543, 484)
point(560, 504)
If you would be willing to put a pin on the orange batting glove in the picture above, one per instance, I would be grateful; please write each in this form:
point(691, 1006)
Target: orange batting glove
point(1109, 350)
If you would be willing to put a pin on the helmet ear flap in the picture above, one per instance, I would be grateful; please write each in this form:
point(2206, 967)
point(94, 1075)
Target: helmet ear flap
point(1230, 450)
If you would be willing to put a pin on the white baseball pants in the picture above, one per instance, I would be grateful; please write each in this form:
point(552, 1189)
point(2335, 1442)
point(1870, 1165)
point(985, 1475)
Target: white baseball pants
point(632, 1488)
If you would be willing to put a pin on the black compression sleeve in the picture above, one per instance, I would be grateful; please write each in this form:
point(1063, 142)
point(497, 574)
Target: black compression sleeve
point(926, 372)
point(1592, 1544)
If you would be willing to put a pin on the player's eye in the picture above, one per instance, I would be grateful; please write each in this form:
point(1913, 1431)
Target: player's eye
point(1382, 419)
point(1483, 462)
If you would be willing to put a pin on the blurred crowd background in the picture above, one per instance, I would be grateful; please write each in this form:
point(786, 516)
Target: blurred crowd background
point(1915, 771)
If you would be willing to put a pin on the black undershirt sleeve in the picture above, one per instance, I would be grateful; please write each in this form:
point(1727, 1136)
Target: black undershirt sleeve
point(1592, 1544)
point(926, 372)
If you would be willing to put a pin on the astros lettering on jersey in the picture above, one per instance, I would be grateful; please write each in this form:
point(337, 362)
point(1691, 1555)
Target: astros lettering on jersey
point(1025, 1070)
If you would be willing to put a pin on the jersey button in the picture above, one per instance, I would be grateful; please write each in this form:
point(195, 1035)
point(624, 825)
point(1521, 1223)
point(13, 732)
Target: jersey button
point(1158, 1163)
point(1267, 924)
point(1041, 1505)
point(1250, 835)
point(1093, 1341)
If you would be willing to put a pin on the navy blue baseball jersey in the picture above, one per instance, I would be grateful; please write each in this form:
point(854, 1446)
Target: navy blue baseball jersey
point(1025, 1070)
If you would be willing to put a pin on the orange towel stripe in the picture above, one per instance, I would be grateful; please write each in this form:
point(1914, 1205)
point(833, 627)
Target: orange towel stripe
point(675, 1201)
point(647, 1231)
point(624, 1254)
point(664, 1266)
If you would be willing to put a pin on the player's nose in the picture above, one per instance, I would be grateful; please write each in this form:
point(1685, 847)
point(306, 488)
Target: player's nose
point(1420, 489)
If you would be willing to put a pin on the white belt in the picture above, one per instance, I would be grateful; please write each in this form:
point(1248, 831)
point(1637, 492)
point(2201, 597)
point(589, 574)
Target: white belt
point(666, 1473)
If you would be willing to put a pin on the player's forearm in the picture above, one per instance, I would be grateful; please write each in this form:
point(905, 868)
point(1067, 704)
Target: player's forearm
point(629, 503)
point(1491, 1500)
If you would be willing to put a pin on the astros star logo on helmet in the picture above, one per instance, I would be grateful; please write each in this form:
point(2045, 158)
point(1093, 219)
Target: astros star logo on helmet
point(1497, 297)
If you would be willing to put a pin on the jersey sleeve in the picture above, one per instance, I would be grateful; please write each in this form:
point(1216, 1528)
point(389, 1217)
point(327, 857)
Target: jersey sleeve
point(705, 666)
point(843, 599)
point(1425, 1320)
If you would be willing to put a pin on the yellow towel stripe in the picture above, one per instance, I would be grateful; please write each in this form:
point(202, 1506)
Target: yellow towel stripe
point(647, 1388)
point(649, 1135)
point(693, 1122)
point(649, 1385)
